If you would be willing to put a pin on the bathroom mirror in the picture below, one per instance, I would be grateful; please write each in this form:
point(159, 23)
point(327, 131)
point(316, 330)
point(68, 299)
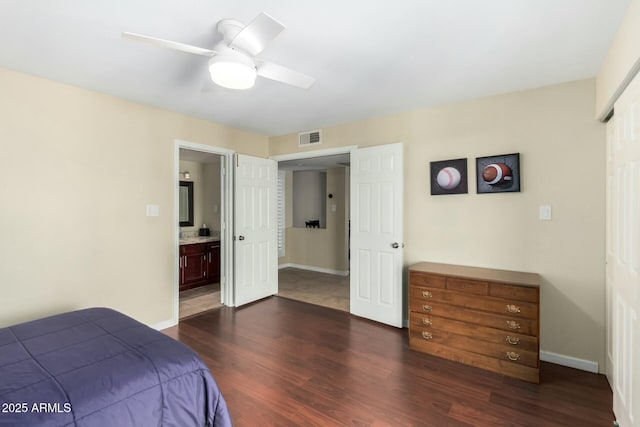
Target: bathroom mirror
point(186, 204)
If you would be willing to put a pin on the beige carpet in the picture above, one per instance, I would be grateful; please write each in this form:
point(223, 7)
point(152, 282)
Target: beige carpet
point(197, 300)
point(323, 289)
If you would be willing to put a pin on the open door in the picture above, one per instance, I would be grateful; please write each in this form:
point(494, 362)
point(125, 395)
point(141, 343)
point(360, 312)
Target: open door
point(255, 229)
point(376, 233)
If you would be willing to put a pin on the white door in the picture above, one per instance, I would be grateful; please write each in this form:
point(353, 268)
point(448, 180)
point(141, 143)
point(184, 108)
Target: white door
point(255, 229)
point(623, 255)
point(376, 233)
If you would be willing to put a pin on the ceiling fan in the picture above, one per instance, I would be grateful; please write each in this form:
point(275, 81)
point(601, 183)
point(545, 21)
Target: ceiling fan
point(233, 62)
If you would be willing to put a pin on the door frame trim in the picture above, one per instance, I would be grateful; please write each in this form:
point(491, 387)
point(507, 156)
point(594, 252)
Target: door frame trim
point(342, 150)
point(314, 153)
point(226, 219)
point(321, 153)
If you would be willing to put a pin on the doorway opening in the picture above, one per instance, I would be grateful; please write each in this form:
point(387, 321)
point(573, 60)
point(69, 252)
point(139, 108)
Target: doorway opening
point(375, 234)
point(202, 211)
point(313, 243)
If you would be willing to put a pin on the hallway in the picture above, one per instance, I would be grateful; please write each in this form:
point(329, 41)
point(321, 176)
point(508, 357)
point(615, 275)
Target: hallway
point(327, 290)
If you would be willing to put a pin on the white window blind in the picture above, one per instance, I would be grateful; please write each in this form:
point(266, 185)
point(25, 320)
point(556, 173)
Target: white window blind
point(281, 213)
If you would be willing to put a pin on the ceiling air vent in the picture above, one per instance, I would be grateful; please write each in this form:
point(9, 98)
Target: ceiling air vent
point(313, 137)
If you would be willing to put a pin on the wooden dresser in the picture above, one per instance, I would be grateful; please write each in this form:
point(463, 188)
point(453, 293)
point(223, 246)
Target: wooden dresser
point(477, 316)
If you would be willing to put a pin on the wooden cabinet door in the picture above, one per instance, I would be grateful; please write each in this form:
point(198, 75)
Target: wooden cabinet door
point(213, 262)
point(195, 268)
point(193, 265)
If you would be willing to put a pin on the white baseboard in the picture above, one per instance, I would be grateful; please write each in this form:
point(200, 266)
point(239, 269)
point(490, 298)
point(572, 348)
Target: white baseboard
point(164, 325)
point(312, 268)
point(569, 361)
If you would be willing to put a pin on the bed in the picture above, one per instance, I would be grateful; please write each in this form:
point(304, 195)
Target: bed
point(98, 367)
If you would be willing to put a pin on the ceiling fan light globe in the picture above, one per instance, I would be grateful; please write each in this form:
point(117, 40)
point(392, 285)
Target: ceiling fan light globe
point(232, 72)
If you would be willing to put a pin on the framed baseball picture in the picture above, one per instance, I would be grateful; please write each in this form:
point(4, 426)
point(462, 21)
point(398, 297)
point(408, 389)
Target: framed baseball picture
point(449, 177)
point(498, 174)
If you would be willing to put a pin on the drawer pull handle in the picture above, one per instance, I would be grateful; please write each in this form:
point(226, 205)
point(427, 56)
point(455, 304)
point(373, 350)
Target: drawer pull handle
point(427, 336)
point(427, 322)
point(427, 308)
point(513, 340)
point(513, 308)
point(513, 356)
point(512, 324)
point(427, 294)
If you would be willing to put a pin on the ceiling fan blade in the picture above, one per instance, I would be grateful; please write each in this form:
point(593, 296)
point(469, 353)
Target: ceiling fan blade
point(258, 34)
point(286, 75)
point(169, 44)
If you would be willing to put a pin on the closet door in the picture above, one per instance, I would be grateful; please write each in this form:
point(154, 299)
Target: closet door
point(623, 255)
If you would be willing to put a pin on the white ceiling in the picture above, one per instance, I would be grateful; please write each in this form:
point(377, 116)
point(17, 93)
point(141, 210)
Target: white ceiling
point(369, 57)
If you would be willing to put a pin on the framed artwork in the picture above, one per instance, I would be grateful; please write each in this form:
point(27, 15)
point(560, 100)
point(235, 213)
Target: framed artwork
point(449, 177)
point(498, 174)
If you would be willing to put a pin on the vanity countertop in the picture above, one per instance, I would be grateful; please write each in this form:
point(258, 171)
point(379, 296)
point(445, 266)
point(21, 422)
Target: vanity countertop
point(198, 239)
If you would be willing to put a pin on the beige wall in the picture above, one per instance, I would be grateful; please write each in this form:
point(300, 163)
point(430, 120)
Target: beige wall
point(206, 193)
point(211, 198)
point(308, 197)
point(73, 228)
point(623, 54)
point(562, 161)
point(319, 247)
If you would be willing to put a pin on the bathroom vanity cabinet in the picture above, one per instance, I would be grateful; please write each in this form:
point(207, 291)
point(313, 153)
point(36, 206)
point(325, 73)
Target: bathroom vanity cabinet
point(199, 264)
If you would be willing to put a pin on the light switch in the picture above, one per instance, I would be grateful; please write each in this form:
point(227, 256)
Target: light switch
point(333, 208)
point(545, 212)
point(153, 210)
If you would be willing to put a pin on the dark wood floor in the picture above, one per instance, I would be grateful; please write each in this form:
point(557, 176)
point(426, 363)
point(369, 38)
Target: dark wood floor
point(287, 363)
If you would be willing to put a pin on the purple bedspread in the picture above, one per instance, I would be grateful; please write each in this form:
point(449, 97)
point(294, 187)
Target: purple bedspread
point(98, 367)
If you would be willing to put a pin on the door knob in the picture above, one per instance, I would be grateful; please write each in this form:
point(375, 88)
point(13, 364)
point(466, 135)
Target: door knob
point(395, 245)
point(240, 237)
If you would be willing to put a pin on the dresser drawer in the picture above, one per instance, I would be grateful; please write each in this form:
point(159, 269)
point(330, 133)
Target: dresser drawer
point(513, 340)
point(520, 293)
point(429, 280)
point(513, 308)
point(501, 366)
point(468, 286)
point(461, 342)
point(418, 293)
point(505, 323)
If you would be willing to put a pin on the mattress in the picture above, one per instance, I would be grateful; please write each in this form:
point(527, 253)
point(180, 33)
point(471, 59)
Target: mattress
point(98, 367)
